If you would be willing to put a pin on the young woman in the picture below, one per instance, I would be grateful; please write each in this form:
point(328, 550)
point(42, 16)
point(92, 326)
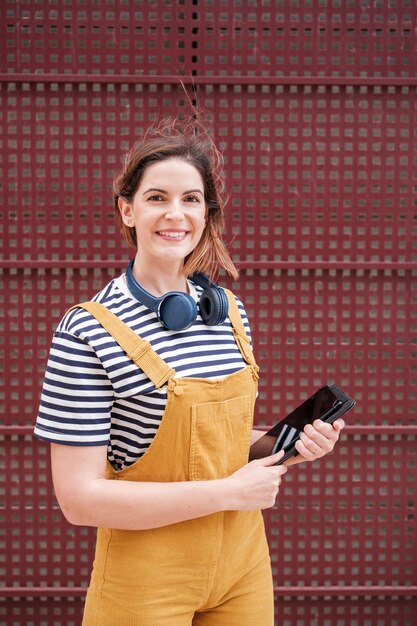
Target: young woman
point(150, 443)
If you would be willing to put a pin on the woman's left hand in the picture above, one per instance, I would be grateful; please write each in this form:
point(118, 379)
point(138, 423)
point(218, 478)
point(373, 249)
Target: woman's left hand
point(318, 439)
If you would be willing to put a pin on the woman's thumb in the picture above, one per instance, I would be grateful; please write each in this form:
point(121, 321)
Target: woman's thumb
point(273, 459)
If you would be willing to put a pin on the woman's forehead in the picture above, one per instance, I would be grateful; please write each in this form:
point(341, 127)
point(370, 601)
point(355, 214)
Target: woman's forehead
point(172, 170)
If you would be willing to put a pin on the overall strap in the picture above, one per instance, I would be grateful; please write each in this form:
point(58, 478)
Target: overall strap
point(239, 332)
point(136, 348)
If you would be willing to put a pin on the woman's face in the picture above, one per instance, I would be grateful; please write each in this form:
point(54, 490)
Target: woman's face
point(168, 212)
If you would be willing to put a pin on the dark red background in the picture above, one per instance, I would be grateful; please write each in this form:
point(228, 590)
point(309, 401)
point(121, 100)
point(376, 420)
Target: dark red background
point(314, 107)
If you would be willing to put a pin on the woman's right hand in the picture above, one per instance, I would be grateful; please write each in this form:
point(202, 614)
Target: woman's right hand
point(255, 485)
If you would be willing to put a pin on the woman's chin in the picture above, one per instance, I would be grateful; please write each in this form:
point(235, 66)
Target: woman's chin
point(172, 258)
point(173, 254)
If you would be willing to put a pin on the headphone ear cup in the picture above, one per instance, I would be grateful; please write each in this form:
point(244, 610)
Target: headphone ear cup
point(214, 306)
point(177, 311)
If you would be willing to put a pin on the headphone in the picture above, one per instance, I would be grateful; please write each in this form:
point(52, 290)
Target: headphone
point(177, 310)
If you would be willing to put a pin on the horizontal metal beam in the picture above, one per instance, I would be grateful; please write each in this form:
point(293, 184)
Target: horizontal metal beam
point(258, 265)
point(372, 429)
point(342, 591)
point(350, 591)
point(128, 79)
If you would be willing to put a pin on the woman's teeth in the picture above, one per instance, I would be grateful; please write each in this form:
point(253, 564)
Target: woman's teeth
point(173, 235)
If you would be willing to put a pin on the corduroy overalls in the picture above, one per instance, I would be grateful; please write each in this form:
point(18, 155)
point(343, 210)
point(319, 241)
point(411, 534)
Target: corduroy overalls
point(214, 570)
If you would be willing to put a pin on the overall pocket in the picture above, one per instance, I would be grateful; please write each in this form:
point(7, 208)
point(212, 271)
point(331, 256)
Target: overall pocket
point(220, 433)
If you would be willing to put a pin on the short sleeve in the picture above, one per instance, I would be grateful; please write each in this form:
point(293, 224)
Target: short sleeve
point(77, 395)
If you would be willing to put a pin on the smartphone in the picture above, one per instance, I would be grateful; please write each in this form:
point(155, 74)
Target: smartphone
point(327, 403)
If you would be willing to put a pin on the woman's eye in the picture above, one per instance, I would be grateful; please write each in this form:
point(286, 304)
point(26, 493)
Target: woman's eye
point(155, 198)
point(192, 199)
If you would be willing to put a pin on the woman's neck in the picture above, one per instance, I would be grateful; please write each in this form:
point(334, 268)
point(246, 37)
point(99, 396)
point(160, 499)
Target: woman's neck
point(158, 282)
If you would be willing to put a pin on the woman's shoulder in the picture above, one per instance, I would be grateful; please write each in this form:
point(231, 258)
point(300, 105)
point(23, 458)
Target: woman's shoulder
point(240, 306)
point(77, 319)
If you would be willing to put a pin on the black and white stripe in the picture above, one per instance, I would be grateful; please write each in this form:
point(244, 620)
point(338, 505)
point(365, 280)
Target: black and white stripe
point(94, 395)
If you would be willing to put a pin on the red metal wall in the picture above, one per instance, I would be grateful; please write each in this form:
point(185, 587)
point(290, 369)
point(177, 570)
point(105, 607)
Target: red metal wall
point(314, 106)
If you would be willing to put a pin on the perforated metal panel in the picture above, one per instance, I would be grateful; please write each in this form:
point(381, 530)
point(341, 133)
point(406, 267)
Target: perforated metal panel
point(314, 107)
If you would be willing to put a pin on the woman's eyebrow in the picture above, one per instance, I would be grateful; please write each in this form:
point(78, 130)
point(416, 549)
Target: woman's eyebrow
point(194, 191)
point(164, 191)
point(154, 189)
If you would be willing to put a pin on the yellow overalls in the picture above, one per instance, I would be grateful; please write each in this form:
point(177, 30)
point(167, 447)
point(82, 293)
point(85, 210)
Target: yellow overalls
point(214, 570)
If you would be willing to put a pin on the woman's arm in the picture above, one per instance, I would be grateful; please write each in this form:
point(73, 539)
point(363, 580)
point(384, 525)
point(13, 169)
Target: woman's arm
point(255, 435)
point(87, 498)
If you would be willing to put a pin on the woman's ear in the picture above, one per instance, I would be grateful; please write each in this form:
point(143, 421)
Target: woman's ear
point(125, 211)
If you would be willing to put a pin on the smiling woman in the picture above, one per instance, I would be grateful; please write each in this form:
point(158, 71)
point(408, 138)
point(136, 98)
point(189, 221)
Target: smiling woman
point(191, 144)
point(148, 404)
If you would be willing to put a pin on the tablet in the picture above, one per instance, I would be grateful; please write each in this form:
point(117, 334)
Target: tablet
point(327, 403)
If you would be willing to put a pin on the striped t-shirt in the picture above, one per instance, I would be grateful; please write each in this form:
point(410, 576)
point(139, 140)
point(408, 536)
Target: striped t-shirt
point(93, 394)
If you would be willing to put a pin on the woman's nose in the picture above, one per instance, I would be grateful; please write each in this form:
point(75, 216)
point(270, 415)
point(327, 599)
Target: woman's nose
point(175, 212)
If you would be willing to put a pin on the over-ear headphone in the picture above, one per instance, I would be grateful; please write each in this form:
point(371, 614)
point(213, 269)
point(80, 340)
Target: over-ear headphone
point(177, 310)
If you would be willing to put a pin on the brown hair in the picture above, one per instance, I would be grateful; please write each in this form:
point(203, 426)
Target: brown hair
point(190, 141)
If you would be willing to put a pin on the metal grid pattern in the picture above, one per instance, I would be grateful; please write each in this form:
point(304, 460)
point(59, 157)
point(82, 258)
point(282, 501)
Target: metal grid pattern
point(312, 166)
point(211, 37)
point(315, 110)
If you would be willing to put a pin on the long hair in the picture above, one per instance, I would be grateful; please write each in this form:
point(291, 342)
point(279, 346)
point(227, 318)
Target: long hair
point(190, 141)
